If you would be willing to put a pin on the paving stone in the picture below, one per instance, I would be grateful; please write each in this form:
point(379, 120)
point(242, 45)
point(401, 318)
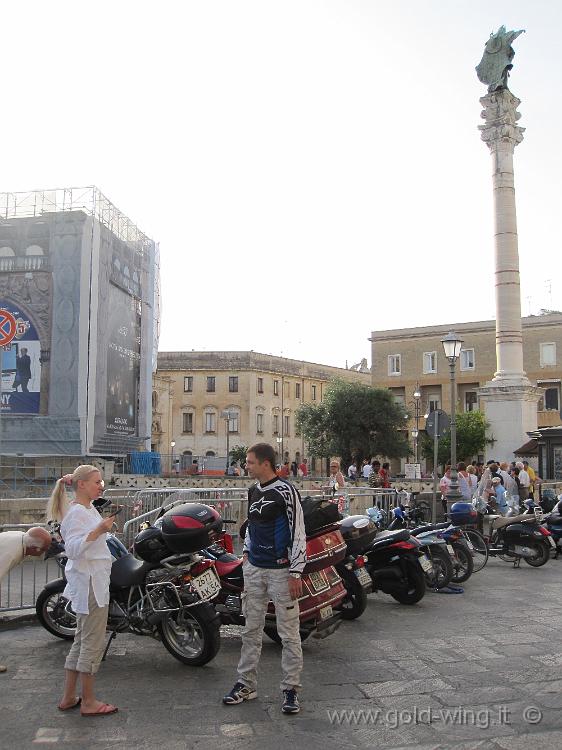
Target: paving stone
point(403, 687)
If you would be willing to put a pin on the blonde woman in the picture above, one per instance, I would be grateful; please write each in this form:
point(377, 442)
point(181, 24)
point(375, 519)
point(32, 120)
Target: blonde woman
point(336, 480)
point(87, 573)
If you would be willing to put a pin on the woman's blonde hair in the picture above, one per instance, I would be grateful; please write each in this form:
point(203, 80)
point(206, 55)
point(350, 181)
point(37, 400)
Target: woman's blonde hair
point(335, 461)
point(57, 506)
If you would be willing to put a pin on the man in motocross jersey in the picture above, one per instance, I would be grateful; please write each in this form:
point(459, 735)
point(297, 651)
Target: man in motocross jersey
point(273, 560)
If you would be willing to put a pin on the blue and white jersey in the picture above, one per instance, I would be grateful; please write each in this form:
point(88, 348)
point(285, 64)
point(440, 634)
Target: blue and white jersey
point(275, 537)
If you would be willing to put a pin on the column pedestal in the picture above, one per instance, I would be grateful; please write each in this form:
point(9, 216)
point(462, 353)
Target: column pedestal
point(511, 411)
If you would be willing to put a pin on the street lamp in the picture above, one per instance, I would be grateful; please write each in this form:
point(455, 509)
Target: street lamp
point(452, 344)
point(227, 416)
point(172, 446)
point(416, 431)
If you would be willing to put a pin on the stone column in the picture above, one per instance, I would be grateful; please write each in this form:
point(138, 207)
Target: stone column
point(510, 399)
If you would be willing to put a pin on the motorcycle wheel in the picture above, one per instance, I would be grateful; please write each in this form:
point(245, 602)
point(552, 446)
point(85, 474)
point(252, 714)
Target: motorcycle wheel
point(463, 564)
point(355, 601)
point(192, 635)
point(271, 632)
point(542, 556)
point(443, 569)
point(416, 585)
point(52, 614)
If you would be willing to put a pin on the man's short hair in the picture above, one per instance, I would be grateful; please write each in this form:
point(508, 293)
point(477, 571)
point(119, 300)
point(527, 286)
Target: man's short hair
point(264, 452)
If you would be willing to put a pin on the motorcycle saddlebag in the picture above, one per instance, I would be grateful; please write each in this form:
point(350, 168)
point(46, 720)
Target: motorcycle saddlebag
point(323, 550)
point(190, 527)
point(318, 513)
point(358, 532)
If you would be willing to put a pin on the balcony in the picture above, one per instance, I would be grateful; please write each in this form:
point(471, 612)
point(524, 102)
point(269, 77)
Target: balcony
point(548, 418)
point(23, 263)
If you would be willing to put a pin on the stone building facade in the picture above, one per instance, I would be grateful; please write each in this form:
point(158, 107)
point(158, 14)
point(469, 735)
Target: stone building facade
point(194, 391)
point(405, 358)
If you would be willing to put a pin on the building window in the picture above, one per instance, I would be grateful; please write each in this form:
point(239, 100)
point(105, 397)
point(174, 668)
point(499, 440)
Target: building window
point(470, 401)
point(188, 422)
point(260, 385)
point(287, 389)
point(211, 384)
point(233, 421)
point(210, 421)
point(429, 362)
point(467, 359)
point(210, 454)
point(188, 384)
point(275, 424)
point(394, 365)
point(233, 384)
point(297, 390)
point(551, 399)
point(259, 423)
point(433, 402)
point(548, 355)
point(275, 387)
point(313, 392)
point(286, 424)
point(154, 400)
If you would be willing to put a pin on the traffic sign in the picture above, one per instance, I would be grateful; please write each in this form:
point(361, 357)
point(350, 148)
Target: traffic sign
point(437, 422)
point(7, 327)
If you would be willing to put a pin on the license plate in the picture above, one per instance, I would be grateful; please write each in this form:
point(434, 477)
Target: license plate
point(451, 550)
point(318, 581)
point(469, 543)
point(363, 577)
point(326, 612)
point(207, 585)
point(426, 564)
point(552, 542)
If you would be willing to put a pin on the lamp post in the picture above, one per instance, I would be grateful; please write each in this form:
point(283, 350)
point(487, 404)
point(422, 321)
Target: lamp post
point(226, 415)
point(416, 430)
point(452, 344)
point(172, 446)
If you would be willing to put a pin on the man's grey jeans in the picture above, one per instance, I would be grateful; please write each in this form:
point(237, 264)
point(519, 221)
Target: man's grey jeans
point(260, 586)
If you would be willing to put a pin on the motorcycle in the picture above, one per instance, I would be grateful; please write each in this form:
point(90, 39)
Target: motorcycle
point(165, 595)
point(553, 522)
point(521, 537)
point(396, 565)
point(323, 590)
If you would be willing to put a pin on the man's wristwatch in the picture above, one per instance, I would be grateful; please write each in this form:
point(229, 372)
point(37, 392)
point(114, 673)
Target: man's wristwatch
point(295, 575)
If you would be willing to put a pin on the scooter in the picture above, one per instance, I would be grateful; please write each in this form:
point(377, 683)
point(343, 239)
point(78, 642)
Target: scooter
point(521, 537)
point(553, 522)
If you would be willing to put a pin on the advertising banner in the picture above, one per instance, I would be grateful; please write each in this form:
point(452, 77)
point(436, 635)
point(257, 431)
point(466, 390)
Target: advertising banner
point(21, 366)
point(123, 362)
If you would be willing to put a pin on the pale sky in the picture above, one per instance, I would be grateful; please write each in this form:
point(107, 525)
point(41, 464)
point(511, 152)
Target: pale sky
point(312, 169)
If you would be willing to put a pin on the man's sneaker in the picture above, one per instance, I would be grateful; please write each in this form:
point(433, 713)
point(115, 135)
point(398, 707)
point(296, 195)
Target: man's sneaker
point(290, 702)
point(239, 693)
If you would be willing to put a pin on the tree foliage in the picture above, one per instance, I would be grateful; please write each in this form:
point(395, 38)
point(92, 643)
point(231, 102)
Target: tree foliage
point(471, 439)
point(354, 421)
point(238, 453)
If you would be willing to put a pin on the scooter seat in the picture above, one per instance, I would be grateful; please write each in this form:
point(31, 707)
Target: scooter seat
point(389, 537)
point(502, 521)
point(430, 527)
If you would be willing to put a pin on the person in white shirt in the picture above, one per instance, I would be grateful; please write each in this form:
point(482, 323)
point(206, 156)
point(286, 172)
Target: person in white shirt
point(367, 470)
point(15, 545)
point(352, 471)
point(524, 481)
point(87, 572)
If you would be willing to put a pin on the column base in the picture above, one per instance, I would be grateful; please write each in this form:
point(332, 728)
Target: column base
point(511, 410)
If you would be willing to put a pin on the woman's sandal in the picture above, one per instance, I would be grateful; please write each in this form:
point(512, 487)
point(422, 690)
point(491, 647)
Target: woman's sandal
point(104, 710)
point(74, 705)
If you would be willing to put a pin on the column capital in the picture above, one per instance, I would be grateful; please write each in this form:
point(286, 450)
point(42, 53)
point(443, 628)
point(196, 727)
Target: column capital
point(500, 114)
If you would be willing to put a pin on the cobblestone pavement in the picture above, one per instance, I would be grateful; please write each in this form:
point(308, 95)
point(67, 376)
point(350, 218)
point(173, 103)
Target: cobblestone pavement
point(478, 670)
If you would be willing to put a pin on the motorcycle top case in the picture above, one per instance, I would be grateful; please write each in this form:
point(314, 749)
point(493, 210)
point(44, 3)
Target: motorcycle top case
point(358, 533)
point(190, 527)
point(150, 546)
point(317, 513)
point(323, 550)
point(463, 514)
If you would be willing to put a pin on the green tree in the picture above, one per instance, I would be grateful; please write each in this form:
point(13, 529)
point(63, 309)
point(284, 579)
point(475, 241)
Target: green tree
point(238, 453)
point(354, 420)
point(471, 438)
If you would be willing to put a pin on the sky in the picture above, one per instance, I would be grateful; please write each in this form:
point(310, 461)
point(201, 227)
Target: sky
point(312, 169)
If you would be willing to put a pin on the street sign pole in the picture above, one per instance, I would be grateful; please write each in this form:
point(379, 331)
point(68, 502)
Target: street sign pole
point(435, 453)
point(1, 353)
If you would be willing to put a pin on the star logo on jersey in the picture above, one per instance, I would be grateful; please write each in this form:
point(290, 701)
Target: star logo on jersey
point(260, 504)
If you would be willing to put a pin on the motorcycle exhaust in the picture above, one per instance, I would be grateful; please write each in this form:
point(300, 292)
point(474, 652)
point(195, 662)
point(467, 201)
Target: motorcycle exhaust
point(517, 549)
point(154, 618)
point(384, 574)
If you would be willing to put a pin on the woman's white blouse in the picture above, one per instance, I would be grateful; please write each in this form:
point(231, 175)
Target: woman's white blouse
point(87, 561)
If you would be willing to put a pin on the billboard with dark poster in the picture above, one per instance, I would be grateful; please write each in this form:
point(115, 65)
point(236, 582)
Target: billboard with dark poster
point(21, 366)
point(123, 362)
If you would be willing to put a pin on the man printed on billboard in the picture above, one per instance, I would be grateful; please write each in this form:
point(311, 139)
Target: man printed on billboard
point(23, 371)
